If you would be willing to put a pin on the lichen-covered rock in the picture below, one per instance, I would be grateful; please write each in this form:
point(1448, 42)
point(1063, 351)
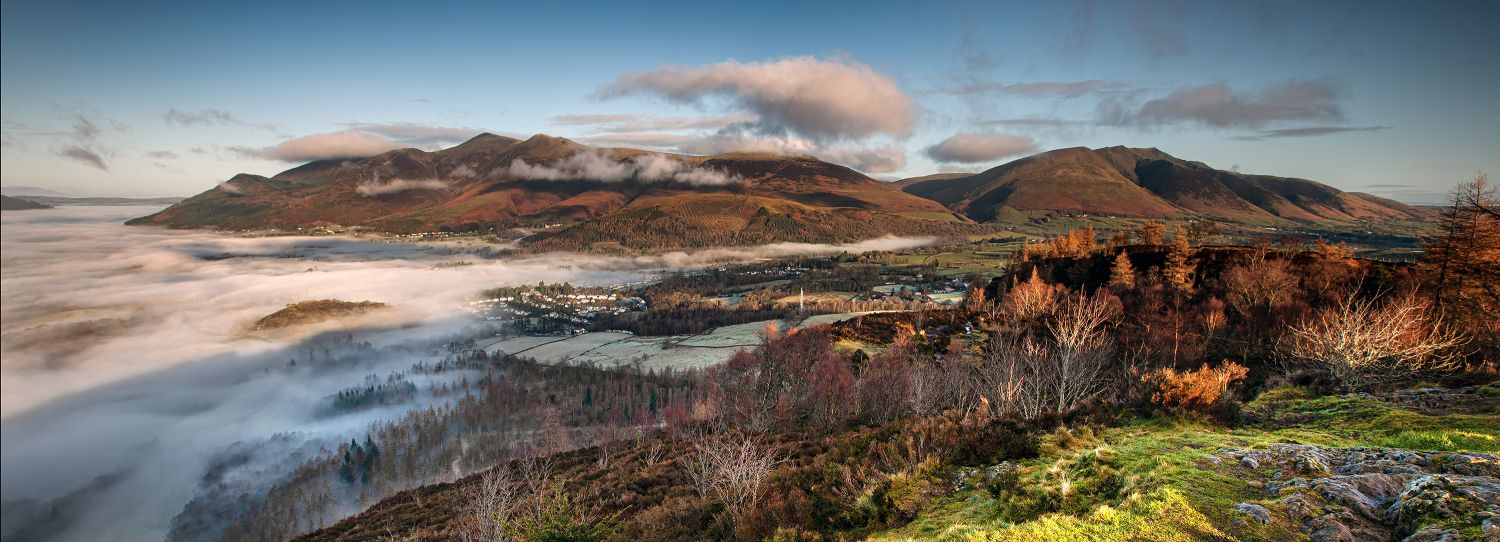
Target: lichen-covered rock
point(1433, 534)
point(1429, 499)
point(1260, 513)
point(1366, 493)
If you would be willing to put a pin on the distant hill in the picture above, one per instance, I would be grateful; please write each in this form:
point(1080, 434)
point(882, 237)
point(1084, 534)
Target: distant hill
point(101, 200)
point(19, 190)
point(933, 177)
point(586, 198)
point(1146, 183)
point(8, 203)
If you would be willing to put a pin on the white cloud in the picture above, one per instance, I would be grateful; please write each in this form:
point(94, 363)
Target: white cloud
point(361, 141)
point(969, 148)
point(818, 99)
point(377, 188)
point(594, 165)
point(342, 144)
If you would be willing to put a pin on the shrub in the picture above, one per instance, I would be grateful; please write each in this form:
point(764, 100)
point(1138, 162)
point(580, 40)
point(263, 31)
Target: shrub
point(1201, 389)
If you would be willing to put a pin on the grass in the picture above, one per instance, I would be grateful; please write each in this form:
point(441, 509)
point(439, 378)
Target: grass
point(1156, 478)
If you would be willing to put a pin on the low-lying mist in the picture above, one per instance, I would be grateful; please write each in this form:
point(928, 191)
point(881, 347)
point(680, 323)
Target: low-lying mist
point(131, 380)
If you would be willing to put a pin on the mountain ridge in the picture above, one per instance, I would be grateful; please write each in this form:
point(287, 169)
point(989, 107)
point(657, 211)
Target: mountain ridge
point(493, 180)
point(1146, 183)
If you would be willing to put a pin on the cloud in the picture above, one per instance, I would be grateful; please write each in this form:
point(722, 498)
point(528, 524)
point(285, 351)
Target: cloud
point(83, 155)
point(161, 155)
point(230, 188)
point(377, 188)
point(1032, 121)
point(969, 148)
point(818, 99)
point(1313, 131)
point(342, 144)
point(84, 146)
point(884, 159)
point(1062, 90)
point(630, 122)
point(208, 117)
point(593, 165)
point(418, 135)
point(743, 138)
point(205, 117)
point(660, 140)
point(361, 141)
point(1218, 106)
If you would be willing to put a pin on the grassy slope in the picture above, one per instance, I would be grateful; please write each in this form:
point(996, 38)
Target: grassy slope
point(1153, 479)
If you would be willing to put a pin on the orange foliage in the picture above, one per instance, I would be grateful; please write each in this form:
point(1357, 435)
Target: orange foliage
point(1197, 389)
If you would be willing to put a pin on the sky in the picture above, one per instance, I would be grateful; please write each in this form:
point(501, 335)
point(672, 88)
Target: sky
point(171, 98)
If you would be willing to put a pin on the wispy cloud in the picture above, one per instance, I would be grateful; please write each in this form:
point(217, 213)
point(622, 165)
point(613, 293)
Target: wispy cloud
point(161, 155)
point(1045, 89)
point(83, 155)
point(1309, 131)
point(1219, 106)
point(84, 145)
point(631, 122)
point(822, 99)
point(209, 117)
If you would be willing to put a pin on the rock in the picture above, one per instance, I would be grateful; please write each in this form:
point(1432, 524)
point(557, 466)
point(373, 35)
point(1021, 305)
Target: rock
point(1329, 529)
point(1433, 534)
point(1260, 513)
point(1366, 494)
point(1490, 528)
point(1441, 496)
point(1250, 462)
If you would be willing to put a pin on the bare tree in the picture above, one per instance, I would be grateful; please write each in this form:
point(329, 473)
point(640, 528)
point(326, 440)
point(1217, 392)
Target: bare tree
point(491, 506)
point(731, 469)
point(1366, 344)
point(1081, 349)
point(1012, 377)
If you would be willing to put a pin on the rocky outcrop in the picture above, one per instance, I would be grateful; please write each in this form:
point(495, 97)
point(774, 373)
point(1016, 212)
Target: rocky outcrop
point(1363, 493)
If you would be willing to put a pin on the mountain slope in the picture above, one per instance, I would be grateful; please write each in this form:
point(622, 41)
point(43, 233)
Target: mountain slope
point(8, 203)
point(1146, 183)
point(616, 197)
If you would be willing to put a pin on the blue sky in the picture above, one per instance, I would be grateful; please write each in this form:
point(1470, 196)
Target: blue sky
point(166, 98)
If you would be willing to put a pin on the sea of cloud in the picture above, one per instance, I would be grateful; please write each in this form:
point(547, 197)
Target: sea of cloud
point(128, 369)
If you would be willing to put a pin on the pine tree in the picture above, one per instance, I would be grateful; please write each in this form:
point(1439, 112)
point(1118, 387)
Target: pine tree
point(1122, 275)
point(1178, 274)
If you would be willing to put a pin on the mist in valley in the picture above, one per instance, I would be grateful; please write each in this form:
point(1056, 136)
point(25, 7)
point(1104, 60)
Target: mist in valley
point(133, 383)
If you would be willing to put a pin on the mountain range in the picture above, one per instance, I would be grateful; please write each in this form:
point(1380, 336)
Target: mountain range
point(578, 197)
point(1144, 183)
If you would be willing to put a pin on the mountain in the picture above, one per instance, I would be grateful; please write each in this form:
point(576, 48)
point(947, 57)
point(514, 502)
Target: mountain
point(583, 197)
point(18, 190)
point(8, 203)
point(933, 177)
point(1146, 183)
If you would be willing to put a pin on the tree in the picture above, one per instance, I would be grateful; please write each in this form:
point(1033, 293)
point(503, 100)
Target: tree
point(1081, 349)
point(1122, 275)
point(730, 468)
point(1200, 230)
point(1178, 274)
point(1463, 263)
point(1031, 299)
point(1150, 233)
point(1364, 344)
